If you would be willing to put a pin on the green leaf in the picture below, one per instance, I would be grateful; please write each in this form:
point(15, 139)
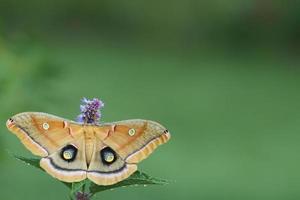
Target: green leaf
point(138, 178)
point(77, 187)
point(35, 162)
point(30, 161)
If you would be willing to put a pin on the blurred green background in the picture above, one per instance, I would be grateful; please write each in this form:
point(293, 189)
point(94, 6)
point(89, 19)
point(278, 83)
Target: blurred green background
point(223, 76)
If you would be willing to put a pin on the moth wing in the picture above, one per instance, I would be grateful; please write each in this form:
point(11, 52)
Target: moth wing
point(134, 140)
point(46, 135)
point(102, 172)
point(41, 133)
point(73, 170)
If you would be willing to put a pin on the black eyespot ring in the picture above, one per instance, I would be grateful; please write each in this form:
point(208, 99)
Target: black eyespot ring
point(108, 156)
point(68, 153)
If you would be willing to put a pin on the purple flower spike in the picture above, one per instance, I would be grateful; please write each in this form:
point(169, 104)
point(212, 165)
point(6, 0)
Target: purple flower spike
point(82, 196)
point(90, 111)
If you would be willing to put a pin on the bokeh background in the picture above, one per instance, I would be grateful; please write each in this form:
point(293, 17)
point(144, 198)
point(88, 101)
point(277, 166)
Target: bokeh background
point(223, 76)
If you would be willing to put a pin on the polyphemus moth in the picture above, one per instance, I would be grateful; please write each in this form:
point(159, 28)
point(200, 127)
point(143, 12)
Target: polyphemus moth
point(106, 154)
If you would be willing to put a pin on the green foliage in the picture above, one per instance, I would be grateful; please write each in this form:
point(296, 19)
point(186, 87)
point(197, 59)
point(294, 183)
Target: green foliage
point(235, 119)
point(86, 186)
point(188, 23)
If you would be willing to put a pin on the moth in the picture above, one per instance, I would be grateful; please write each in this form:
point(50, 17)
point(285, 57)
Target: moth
point(71, 152)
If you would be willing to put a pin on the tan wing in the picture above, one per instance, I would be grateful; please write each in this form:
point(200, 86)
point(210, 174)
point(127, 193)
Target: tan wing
point(72, 169)
point(50, 136)
point(108, 172)
point(41, 133)
point(135, 140)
